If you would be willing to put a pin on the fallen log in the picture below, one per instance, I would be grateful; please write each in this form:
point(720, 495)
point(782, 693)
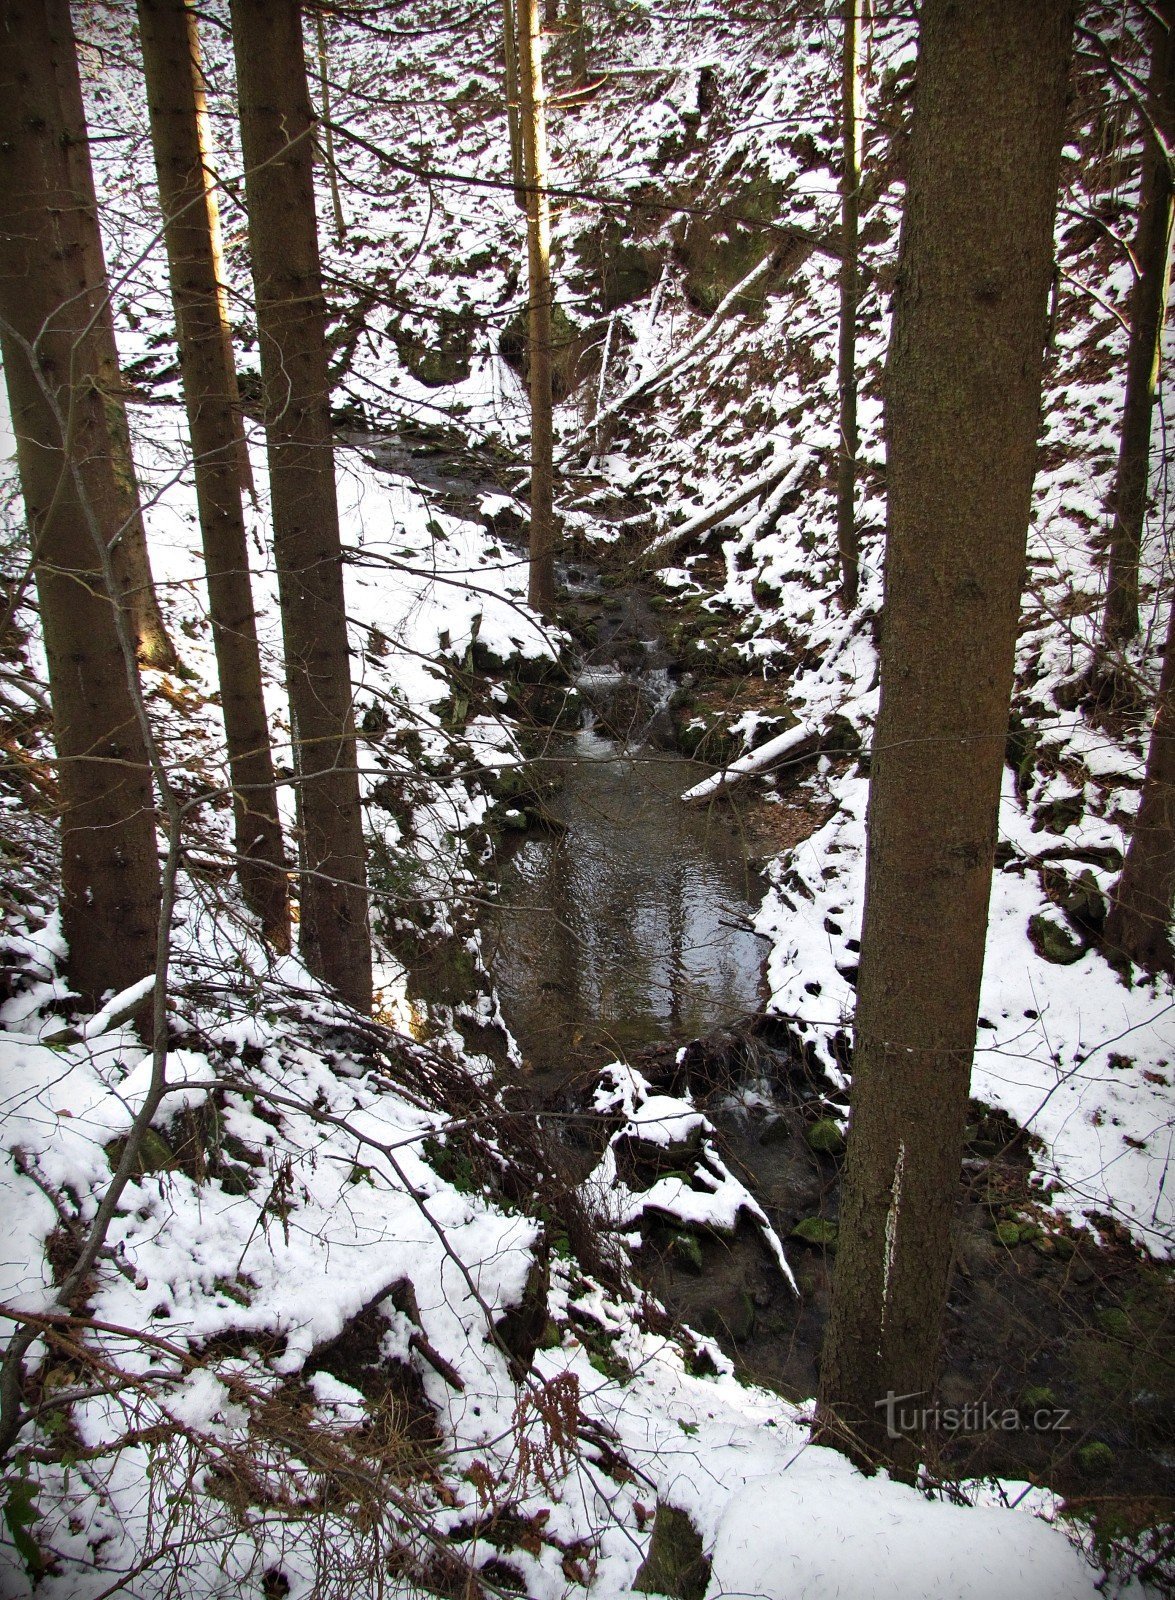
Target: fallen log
point(797, 743)
point(784, 475)
point(788, 256)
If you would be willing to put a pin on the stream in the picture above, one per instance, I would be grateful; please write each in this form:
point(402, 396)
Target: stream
point(628, 921)
point(623, 929)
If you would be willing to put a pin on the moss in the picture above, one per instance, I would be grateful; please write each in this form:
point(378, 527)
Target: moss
point(676, 1563)
point(153, 1155)
point(443, 356)
point(720, 243)
point(1052, 942)
point(686, 1252)
point(817, 1231)
point(1114, 1321)
point(568, 346)
point(1095, 1460)
point(825, 1137)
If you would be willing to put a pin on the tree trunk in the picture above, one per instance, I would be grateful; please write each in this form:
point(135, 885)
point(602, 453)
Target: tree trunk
point(132, 562)
point(328, 132)
point(578, 44)
point(171, 61)
point(513, 125)
point(538, 244)
point(1148, 310)
point(850, 206)
point(109, 864)
point(962, 416)
point(277, 141)
point(204, 133)
point(1138, 924)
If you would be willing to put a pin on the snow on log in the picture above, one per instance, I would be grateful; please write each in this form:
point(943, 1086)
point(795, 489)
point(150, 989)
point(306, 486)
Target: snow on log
point(784, 475)
point(775, 260)
point(802, 740)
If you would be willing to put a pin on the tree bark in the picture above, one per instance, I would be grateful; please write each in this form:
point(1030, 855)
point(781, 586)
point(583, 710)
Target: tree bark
point(277, 141)
point(171, 62)
point(1139, 919)
point(52, 363)
point(132, 561)
point(962, 417)
point(204, 131)
point(850, 206)
point(513, 124)
point(1148, 310)
point(578, 44)
point(538, 248)
point(328, 134)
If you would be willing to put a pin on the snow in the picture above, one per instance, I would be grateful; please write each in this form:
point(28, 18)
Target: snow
point(219, 1292)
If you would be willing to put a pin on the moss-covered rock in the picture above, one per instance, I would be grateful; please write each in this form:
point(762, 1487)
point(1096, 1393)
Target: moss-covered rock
point(825, 1137)
point(1053, 942)
point(617, 265)
point(442, 354)
point(685, 1251)
point(570, 345)
point(819, 1231)
point(676, 1564)
point(1095, 1460)
point(720, 242)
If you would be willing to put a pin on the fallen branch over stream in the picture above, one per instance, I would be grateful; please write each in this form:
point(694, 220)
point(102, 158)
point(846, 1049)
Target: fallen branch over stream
point(797, 742)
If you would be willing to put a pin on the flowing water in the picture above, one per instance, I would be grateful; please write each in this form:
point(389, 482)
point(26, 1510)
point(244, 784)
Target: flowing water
point(627, 921)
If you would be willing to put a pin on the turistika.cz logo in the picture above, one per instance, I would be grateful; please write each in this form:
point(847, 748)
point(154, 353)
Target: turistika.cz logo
point(975, 1416)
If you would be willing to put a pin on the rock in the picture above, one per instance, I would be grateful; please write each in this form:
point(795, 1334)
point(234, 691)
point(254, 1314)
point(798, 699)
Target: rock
point(816, 1231)
point(1052, 942)
point(1085, 906)
point(825, 1137)
point(685, 1252)
point(521, 1330)
point(676, 1564)
point(1095, 1460)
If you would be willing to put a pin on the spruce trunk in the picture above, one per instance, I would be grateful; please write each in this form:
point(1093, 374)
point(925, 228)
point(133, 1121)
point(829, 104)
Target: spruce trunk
point(1148, 310)
point(109, 863)
point(850, 206)
point(538, 248)
point(1138, 924)
point(171, 60)
point(278, 145)
point(132, 562)
point(513, 126)
point(962, 416)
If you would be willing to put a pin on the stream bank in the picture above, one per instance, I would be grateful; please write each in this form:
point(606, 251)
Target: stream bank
point(622, 930)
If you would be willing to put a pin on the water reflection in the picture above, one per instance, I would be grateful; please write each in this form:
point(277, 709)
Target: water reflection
point(632, 924)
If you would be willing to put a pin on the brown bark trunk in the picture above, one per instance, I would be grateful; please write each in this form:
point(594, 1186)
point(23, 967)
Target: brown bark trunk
point(578, 44)
point(1139, 920)
point(328, 133)
point(850, 205)
point(131, 559)
point(109, 865)
point(962, 416)
point(204, 132)
point(277, 141)
point(513, 125)
point(1148, 310)
point(171, 61)
point(538, 248)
